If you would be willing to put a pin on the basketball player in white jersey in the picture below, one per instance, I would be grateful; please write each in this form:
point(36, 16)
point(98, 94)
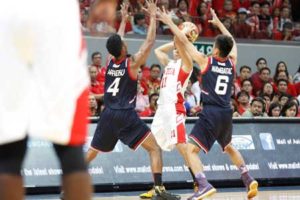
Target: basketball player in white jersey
point(168, 125)
point(43, 91)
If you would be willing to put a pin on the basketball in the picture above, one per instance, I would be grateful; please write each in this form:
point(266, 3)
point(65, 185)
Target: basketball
point(190, 29)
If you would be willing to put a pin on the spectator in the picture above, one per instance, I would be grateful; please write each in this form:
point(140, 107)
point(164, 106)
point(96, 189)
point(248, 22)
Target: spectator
point(240, 28)
point(267, 99)
point(296, 78)
point(203, 15)
point(290, 109)
point(257, 108)
point(243, 101)
point(260, 63)
point(140, 27)
point(227, 11)
point(182, 11)
point(285, 16)
point(153, 82)
point(274, 109)
point(247, 86)
point(128, 26)
point(297, 102)
point(268, 90)
point(265, 20)
point(95, 88)
point(283, 98)
point(234, 108)
point(228, 24)
point(150, 111)
point(282, 67)
point(245, 73)
point(264, 77)
point(253, 19)
point(97, 59)
point(93, 106)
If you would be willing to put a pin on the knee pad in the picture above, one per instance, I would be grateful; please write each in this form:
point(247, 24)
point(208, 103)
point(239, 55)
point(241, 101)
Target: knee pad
point(12, 156)
point(71, 158)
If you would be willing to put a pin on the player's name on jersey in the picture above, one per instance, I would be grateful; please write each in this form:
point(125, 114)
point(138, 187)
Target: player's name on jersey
point(118, 72)
point(221, 70)
point(170, 71)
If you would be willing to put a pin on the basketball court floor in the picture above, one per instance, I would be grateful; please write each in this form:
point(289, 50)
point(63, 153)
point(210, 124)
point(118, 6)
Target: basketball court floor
point(266, 193)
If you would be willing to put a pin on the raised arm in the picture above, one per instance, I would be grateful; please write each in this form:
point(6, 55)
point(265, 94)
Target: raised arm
point(141, 56)
point(215, 20)
point(187, 62)
point(162, 53)
point(125, 15)
point(197, 56)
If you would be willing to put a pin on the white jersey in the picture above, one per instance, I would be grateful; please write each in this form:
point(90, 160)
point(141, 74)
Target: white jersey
point(43, 70)
point(168, 125)
point(173, 85)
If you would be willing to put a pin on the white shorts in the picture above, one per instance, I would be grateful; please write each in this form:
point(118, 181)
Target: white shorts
point(43, 70)
point(168, 127)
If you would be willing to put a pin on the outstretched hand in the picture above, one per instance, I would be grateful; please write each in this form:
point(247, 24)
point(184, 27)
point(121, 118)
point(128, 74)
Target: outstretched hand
point(215, 20)
point(124, 10)
point(151, 7)
point(163, 16)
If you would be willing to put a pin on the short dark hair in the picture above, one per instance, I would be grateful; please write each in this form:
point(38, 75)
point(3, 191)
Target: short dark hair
point(245, 67)
point(261, 100)
point(265, 68)
point(155, 65)
point(282, 80)
point(261, 58)
point(284, 95)
point(224, 43)
point(114, 45)
point(186, 1)
point(287, 106)
point(243, 92)
point(95, 54)
point(249, 80)
point(137, 17)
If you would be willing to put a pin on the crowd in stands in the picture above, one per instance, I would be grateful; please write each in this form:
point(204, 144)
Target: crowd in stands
point(254, 94)
point(256, 19)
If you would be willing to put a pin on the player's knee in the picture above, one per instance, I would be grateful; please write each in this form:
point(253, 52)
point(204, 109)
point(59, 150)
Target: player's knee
point(11, 157)
point(71, 158)
point(229, 149)
point(191, 148)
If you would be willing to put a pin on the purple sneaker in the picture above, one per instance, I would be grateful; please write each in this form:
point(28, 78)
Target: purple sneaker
point(202, 193)
point(251, 185)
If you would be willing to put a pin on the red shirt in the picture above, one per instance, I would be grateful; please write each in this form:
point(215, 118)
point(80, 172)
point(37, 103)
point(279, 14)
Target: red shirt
point(95, 88)
point(152, 86)
point(291, 89)
point(148, 112)
point(101, 78)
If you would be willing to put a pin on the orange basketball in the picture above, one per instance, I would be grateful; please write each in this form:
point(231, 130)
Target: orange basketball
point(192, 34)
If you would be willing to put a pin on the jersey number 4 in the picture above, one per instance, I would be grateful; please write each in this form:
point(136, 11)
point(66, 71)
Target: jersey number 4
point(114, 87)
point(221, 85)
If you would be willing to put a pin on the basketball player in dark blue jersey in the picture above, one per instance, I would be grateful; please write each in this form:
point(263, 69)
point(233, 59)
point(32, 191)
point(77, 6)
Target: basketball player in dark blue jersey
point(215, 121)
point(119, 120)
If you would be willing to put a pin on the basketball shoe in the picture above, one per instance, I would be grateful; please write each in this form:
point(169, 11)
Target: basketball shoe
point(203, 192)
point(250, 184)
point(162, 194)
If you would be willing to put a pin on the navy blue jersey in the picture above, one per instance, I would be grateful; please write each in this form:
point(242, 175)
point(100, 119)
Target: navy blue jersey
point(120, 87)
point(216, 82)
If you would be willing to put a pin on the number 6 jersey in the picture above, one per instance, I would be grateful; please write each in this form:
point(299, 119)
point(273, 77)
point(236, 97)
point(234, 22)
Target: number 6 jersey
point(120, 85)
point(217, 80)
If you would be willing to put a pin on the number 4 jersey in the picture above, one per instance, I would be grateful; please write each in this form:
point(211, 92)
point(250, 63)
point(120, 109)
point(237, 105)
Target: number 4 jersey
point(217, 80)
point(120, 85)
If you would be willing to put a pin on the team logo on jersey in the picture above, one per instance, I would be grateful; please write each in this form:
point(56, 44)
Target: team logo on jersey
point(115, 66)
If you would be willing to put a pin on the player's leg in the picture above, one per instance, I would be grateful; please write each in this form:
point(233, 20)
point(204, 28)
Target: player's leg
point(237, 159)
point(11, 159)
point(76, 180)
point(200, 138)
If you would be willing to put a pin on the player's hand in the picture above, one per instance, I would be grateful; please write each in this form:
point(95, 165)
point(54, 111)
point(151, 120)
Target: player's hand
point(151, 8)
point(163, 16)
point(215, 20)
point(124, 10)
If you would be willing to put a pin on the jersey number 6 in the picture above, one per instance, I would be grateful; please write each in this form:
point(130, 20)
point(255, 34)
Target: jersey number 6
point(221, 85)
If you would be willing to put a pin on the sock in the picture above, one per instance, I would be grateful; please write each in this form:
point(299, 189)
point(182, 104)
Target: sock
point(157, 179)
point(243, 169)
point(201, 179)
point(192, 174)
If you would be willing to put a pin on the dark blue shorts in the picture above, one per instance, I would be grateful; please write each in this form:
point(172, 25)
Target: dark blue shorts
point(214, 124)
point(114, 125)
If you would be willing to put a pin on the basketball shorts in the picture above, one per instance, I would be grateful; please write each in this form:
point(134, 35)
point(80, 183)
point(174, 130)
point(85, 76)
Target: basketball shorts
point(168, 127)
point(44, 75)
point(124, 125)
point(214, 124)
